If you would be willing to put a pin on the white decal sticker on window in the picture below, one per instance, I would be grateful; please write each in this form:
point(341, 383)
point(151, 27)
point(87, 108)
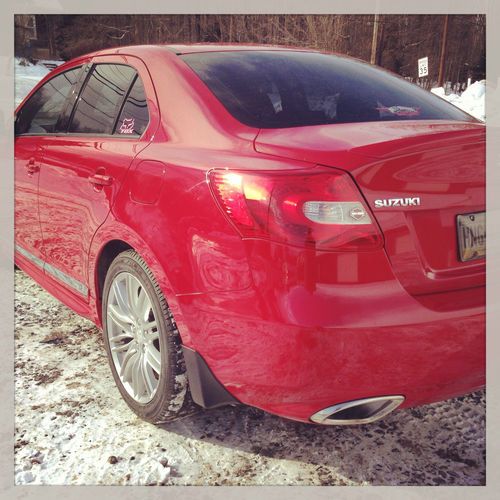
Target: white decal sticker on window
point(127, 126)
point(400, 110)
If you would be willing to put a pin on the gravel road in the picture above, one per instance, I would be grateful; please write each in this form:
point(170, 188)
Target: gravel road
point(73, 428)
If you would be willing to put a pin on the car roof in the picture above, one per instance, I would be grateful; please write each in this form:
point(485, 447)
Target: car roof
point(179, 49)
point(223, 47)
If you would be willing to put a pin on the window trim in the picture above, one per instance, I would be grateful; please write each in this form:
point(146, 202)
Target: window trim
point(134, 80)
point(70, 108)
point(69, 111)
point(119, 107)
point(122, 105)
point(65, 103)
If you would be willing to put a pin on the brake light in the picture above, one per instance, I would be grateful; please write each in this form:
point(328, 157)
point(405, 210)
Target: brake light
point(320, 208)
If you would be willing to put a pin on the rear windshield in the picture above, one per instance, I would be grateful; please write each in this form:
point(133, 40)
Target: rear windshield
point(279, 89)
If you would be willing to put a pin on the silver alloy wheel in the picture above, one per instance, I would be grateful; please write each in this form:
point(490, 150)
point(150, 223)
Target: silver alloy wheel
point(133, 337)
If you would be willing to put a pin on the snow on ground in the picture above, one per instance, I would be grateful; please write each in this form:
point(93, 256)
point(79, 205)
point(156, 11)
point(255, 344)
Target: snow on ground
point(471, 100)
point(72, 427)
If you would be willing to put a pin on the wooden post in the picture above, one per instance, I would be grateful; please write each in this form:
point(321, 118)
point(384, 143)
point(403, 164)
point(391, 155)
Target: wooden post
point(443, 49)
point(373, 56)
point(49, 26)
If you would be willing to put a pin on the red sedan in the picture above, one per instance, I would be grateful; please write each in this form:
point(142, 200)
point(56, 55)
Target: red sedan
point(292, 230)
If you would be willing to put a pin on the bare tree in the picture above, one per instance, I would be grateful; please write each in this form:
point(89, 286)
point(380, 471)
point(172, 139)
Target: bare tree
point(400, 39)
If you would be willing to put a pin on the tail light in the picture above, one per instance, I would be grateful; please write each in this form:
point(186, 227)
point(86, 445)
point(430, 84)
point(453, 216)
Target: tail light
point(321, 208)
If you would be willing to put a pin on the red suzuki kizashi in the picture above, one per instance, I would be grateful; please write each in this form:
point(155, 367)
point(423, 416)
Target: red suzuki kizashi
point(292, 230)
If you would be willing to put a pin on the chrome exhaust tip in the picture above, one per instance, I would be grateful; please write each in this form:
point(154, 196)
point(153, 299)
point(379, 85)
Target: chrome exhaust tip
point(359, 411)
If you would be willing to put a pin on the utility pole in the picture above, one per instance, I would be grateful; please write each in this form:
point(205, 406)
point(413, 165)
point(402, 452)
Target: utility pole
point(49, 26)
point(373, 56)
point(443, 48)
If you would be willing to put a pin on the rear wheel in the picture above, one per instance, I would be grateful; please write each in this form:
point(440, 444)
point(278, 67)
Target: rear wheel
point(143, 343)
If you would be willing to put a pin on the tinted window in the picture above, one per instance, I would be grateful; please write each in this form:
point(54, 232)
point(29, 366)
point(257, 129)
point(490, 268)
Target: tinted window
point(41, 112)
point(134, 116)
point(98, 105)
point(287, 89)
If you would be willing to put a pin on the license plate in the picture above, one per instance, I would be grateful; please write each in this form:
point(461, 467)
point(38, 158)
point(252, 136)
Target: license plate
point(471, 230)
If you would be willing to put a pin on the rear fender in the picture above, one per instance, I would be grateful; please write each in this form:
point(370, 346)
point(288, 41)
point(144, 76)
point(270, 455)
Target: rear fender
point(115, 230)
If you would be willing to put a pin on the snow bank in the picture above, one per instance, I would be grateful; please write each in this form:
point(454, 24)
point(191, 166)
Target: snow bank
point(27, 75)
point(471, 100)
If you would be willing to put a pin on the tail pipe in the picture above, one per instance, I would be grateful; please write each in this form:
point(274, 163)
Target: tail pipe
point(359, 411)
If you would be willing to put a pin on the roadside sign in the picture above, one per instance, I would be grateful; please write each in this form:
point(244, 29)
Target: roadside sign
point(423, 67)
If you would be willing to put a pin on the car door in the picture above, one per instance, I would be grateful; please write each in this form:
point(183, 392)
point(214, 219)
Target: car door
point(36, 119)
point(83, 169)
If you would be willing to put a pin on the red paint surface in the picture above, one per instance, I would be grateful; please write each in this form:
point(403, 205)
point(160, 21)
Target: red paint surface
point(286, 328)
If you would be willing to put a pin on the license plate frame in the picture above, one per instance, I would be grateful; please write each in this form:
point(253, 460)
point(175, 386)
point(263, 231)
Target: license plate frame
point(471, 235)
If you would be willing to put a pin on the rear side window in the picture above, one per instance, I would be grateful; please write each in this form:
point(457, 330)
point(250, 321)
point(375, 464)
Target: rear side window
point(101, 98)
point(278, 89)
point(41, 112)
point(134, 116)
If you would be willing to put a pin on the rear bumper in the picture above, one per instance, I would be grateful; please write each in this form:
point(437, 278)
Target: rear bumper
point(293, 348)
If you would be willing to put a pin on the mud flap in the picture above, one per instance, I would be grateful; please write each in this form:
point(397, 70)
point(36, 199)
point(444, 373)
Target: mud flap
point(205, 389)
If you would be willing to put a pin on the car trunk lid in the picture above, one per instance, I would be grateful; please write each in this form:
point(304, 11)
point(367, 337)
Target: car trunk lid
point(434, 169)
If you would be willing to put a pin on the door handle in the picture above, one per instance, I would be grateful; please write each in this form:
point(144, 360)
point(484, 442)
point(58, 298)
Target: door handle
point(32, 167)
point(100, 180)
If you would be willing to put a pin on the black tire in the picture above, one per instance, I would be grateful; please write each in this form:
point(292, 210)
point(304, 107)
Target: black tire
point(171, 399)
